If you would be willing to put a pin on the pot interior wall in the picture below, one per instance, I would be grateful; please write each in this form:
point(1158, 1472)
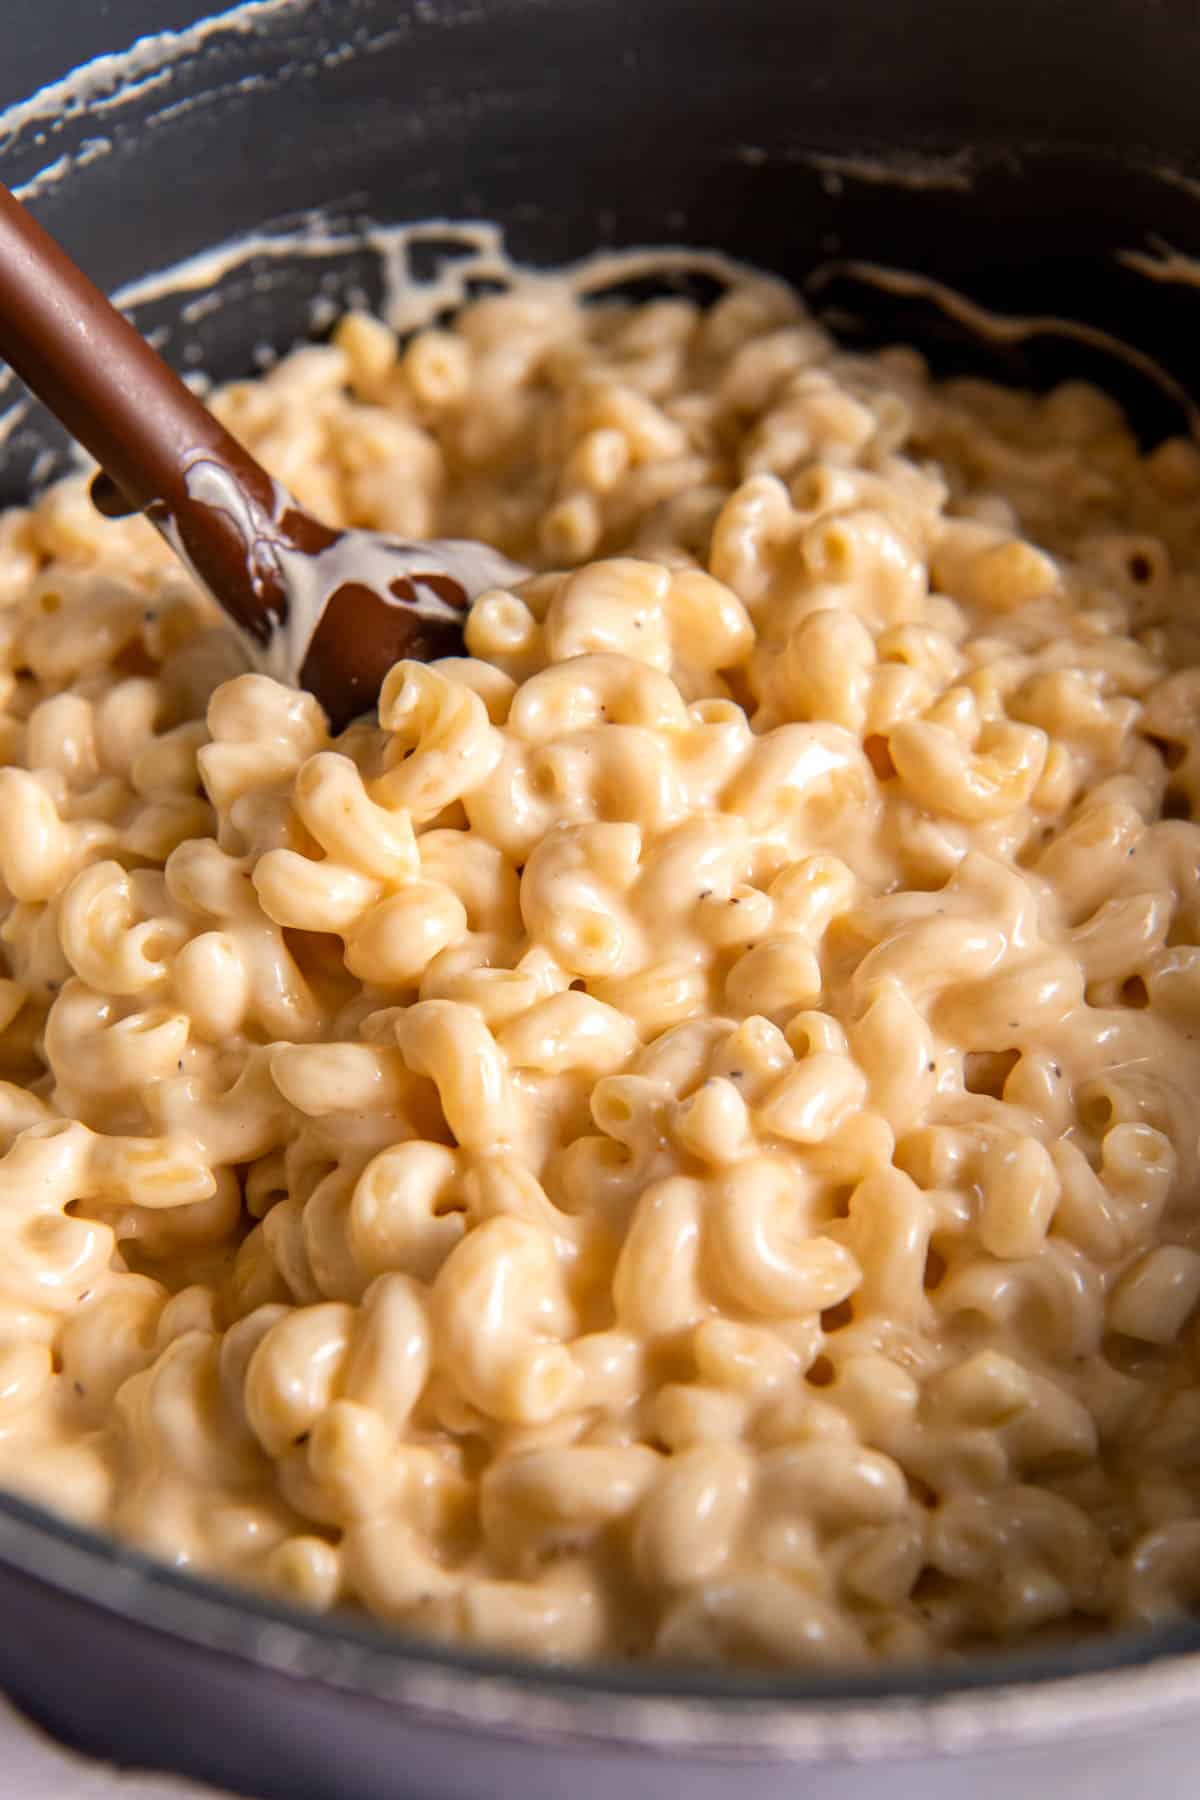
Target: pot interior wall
point(1026, 145)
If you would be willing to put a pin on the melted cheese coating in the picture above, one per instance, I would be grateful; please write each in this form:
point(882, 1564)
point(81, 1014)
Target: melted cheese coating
point(680, 1138)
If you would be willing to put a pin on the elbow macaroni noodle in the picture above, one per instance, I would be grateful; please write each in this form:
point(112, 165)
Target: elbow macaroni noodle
point(679, 1138)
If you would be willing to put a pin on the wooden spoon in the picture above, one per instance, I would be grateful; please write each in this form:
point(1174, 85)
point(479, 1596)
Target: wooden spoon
point(327, 610)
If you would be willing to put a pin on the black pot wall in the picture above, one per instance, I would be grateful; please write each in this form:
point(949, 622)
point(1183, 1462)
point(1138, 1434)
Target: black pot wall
point(579, 123)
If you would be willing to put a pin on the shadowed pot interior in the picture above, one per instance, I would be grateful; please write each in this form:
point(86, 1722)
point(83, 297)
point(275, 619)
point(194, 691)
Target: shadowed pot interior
point(1041, 159)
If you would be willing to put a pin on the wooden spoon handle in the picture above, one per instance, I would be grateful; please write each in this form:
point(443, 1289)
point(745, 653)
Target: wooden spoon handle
point(100, 377)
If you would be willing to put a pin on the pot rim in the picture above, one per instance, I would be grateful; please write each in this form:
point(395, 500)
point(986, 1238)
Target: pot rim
point(1102, 1686)
point(1099, 1687)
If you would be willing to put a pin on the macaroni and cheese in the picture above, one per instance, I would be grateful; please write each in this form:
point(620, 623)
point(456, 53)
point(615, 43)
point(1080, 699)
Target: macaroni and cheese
point(679, 1138)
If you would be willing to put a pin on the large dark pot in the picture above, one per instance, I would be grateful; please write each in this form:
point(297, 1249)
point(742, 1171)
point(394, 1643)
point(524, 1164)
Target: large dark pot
point(1011, 150)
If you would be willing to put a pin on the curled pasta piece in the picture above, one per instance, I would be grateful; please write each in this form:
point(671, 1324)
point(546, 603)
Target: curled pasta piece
point(261, 732)
point(1068, 704)
point(889, 1227)
point(569, 1031)
point(60, 734)
point(500, 1312)
point(307, 1571)
point(865, 551)
point(804, 775)
point(109, 1338)
point(1020, 1191)
point(202, 877)
point(124, 720)
point(754, 524)
point(806, 896)
point(557, 1615)
point(710, 628)
point(332, 802)
point(1139, 1165)
point(211, 983)
point(102, 937)
point(1120, 933)
point(93, 625)
point(336, 1078)
point(687, 1527)
point(51, 1258)
point(155, 1173)
point(825, 671)
point(657, 1282)
point(1153, 1299)
point(996, 777)
point(600, 688)
point(569, 896)
point(501, 1186)
point(774, 976)
point(246, 1120)
point(984, 913)
point(1087, 857)
point(166, 767)
point(893, 1046)
point(391, 1568)
point(832, 1483)
point(502, 630)
point(1058, 1287)
point(764, 1249)
point(309, 895)
point(478, 874)
point(472, 972)
point(390, 1358)
point(40, 849)
point(985, 568)
point(294, 1373)
point(614, 607)
point(344, 1468)
point(451, 1045)
point(696, 866)
point(92, 1049)
point(1037, 991)
point(174, 1427)
point(1037, 1420)
point(442, 744)
point(611, 771)
point(714, 1123)
point(814, 1099)
point(713, 745)
point(392, 943)
point(882, 1567)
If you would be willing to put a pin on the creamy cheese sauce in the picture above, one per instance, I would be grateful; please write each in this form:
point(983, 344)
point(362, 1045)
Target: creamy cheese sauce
point(309, 578)
point(679, 1138)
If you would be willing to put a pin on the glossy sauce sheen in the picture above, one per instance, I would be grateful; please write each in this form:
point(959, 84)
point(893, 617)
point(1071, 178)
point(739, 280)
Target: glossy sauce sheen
point(679, 1138)
point(332, 602)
